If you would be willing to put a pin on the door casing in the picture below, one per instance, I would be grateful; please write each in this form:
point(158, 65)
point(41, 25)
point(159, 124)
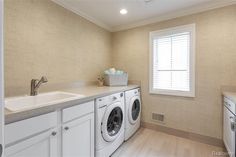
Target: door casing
point(1, 77)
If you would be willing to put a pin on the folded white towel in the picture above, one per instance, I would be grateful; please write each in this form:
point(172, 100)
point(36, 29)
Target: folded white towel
point(113, 71)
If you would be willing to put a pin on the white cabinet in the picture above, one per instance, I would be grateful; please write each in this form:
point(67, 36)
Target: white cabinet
point(23, 129)
point(42, 145)
point(78, 137)
point(33, 137)
point(67, 133)
point(229, 126)
point(229, 133)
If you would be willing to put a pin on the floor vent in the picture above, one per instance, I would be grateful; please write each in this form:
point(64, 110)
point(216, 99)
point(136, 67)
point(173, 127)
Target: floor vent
point(157, 117)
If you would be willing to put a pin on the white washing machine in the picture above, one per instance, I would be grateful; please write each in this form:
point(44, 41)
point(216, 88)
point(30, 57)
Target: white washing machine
point(110, 124)
point(132, 112)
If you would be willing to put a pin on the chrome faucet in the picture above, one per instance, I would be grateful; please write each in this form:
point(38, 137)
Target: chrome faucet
point(35, 84)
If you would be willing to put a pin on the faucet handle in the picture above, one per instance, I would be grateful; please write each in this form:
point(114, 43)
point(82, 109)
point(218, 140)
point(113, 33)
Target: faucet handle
point(44, 79)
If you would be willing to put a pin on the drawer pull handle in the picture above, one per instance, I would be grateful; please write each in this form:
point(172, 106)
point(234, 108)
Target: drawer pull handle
point(233, 126)
point(54, 133)
point(232, 123)
point(66, 128)
point(227, 104)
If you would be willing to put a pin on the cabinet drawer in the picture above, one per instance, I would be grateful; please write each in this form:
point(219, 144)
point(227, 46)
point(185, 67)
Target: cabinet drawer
point(77, 111)
point(26, 128)
point(229, 104)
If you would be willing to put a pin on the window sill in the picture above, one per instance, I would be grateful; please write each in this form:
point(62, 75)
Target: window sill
point(190, 94)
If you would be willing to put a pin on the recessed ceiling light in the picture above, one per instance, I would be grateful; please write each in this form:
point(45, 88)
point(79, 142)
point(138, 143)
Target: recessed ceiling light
point(123, 11)
point(147, 1)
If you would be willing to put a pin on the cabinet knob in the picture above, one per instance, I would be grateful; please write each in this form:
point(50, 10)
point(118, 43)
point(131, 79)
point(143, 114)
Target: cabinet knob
point(54, 133)
point(66, 128)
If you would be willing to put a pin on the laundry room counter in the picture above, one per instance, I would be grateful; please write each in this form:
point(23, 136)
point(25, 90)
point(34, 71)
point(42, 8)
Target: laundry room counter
point(90, 92)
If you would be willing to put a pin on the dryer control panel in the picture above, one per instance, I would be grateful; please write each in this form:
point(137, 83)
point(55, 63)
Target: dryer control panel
point(104, 101)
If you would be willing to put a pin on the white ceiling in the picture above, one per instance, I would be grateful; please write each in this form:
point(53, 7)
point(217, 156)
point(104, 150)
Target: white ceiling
point(105, 13)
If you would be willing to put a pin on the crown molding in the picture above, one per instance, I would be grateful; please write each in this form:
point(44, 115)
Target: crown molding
point(172, 15)
point(84, 15)
point(168, 16)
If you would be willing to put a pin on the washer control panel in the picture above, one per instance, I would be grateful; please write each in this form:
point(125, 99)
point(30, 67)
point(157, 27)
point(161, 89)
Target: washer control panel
point(104, 101)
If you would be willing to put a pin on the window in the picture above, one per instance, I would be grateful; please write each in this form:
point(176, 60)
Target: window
point(172, 61)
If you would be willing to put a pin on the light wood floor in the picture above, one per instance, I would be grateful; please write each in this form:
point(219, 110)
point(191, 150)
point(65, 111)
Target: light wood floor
point(150, 143)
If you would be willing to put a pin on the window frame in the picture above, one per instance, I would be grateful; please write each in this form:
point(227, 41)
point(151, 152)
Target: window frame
point(167, 32)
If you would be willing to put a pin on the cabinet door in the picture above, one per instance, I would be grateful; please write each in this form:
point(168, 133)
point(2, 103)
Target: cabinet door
point(229, 134)
point(78, 137)
point(42, 145)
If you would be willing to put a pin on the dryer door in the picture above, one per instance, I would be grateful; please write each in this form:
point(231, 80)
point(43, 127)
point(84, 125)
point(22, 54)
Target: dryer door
point(112, 122)
point(134, 109)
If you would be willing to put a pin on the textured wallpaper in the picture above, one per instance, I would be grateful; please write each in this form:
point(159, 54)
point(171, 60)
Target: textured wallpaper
point(215, 67)
point(43, 38)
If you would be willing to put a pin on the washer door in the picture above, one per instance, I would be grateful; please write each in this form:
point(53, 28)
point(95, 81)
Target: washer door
point(134, 109)
point(112, 122)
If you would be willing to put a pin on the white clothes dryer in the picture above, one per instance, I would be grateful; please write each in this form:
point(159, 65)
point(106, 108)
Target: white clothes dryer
point(132, 112)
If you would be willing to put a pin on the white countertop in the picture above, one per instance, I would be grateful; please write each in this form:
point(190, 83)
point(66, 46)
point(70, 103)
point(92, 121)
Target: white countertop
point(90, 92)
point(230, 95)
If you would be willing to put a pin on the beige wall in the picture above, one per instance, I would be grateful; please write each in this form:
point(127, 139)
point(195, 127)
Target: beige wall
point(215, 66)
point(42, 38)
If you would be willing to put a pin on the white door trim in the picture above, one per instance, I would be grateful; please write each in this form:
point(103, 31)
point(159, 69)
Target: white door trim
point(1, 77)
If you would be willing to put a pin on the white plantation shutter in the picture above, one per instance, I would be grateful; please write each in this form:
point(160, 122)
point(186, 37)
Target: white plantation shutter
point(171, 62)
